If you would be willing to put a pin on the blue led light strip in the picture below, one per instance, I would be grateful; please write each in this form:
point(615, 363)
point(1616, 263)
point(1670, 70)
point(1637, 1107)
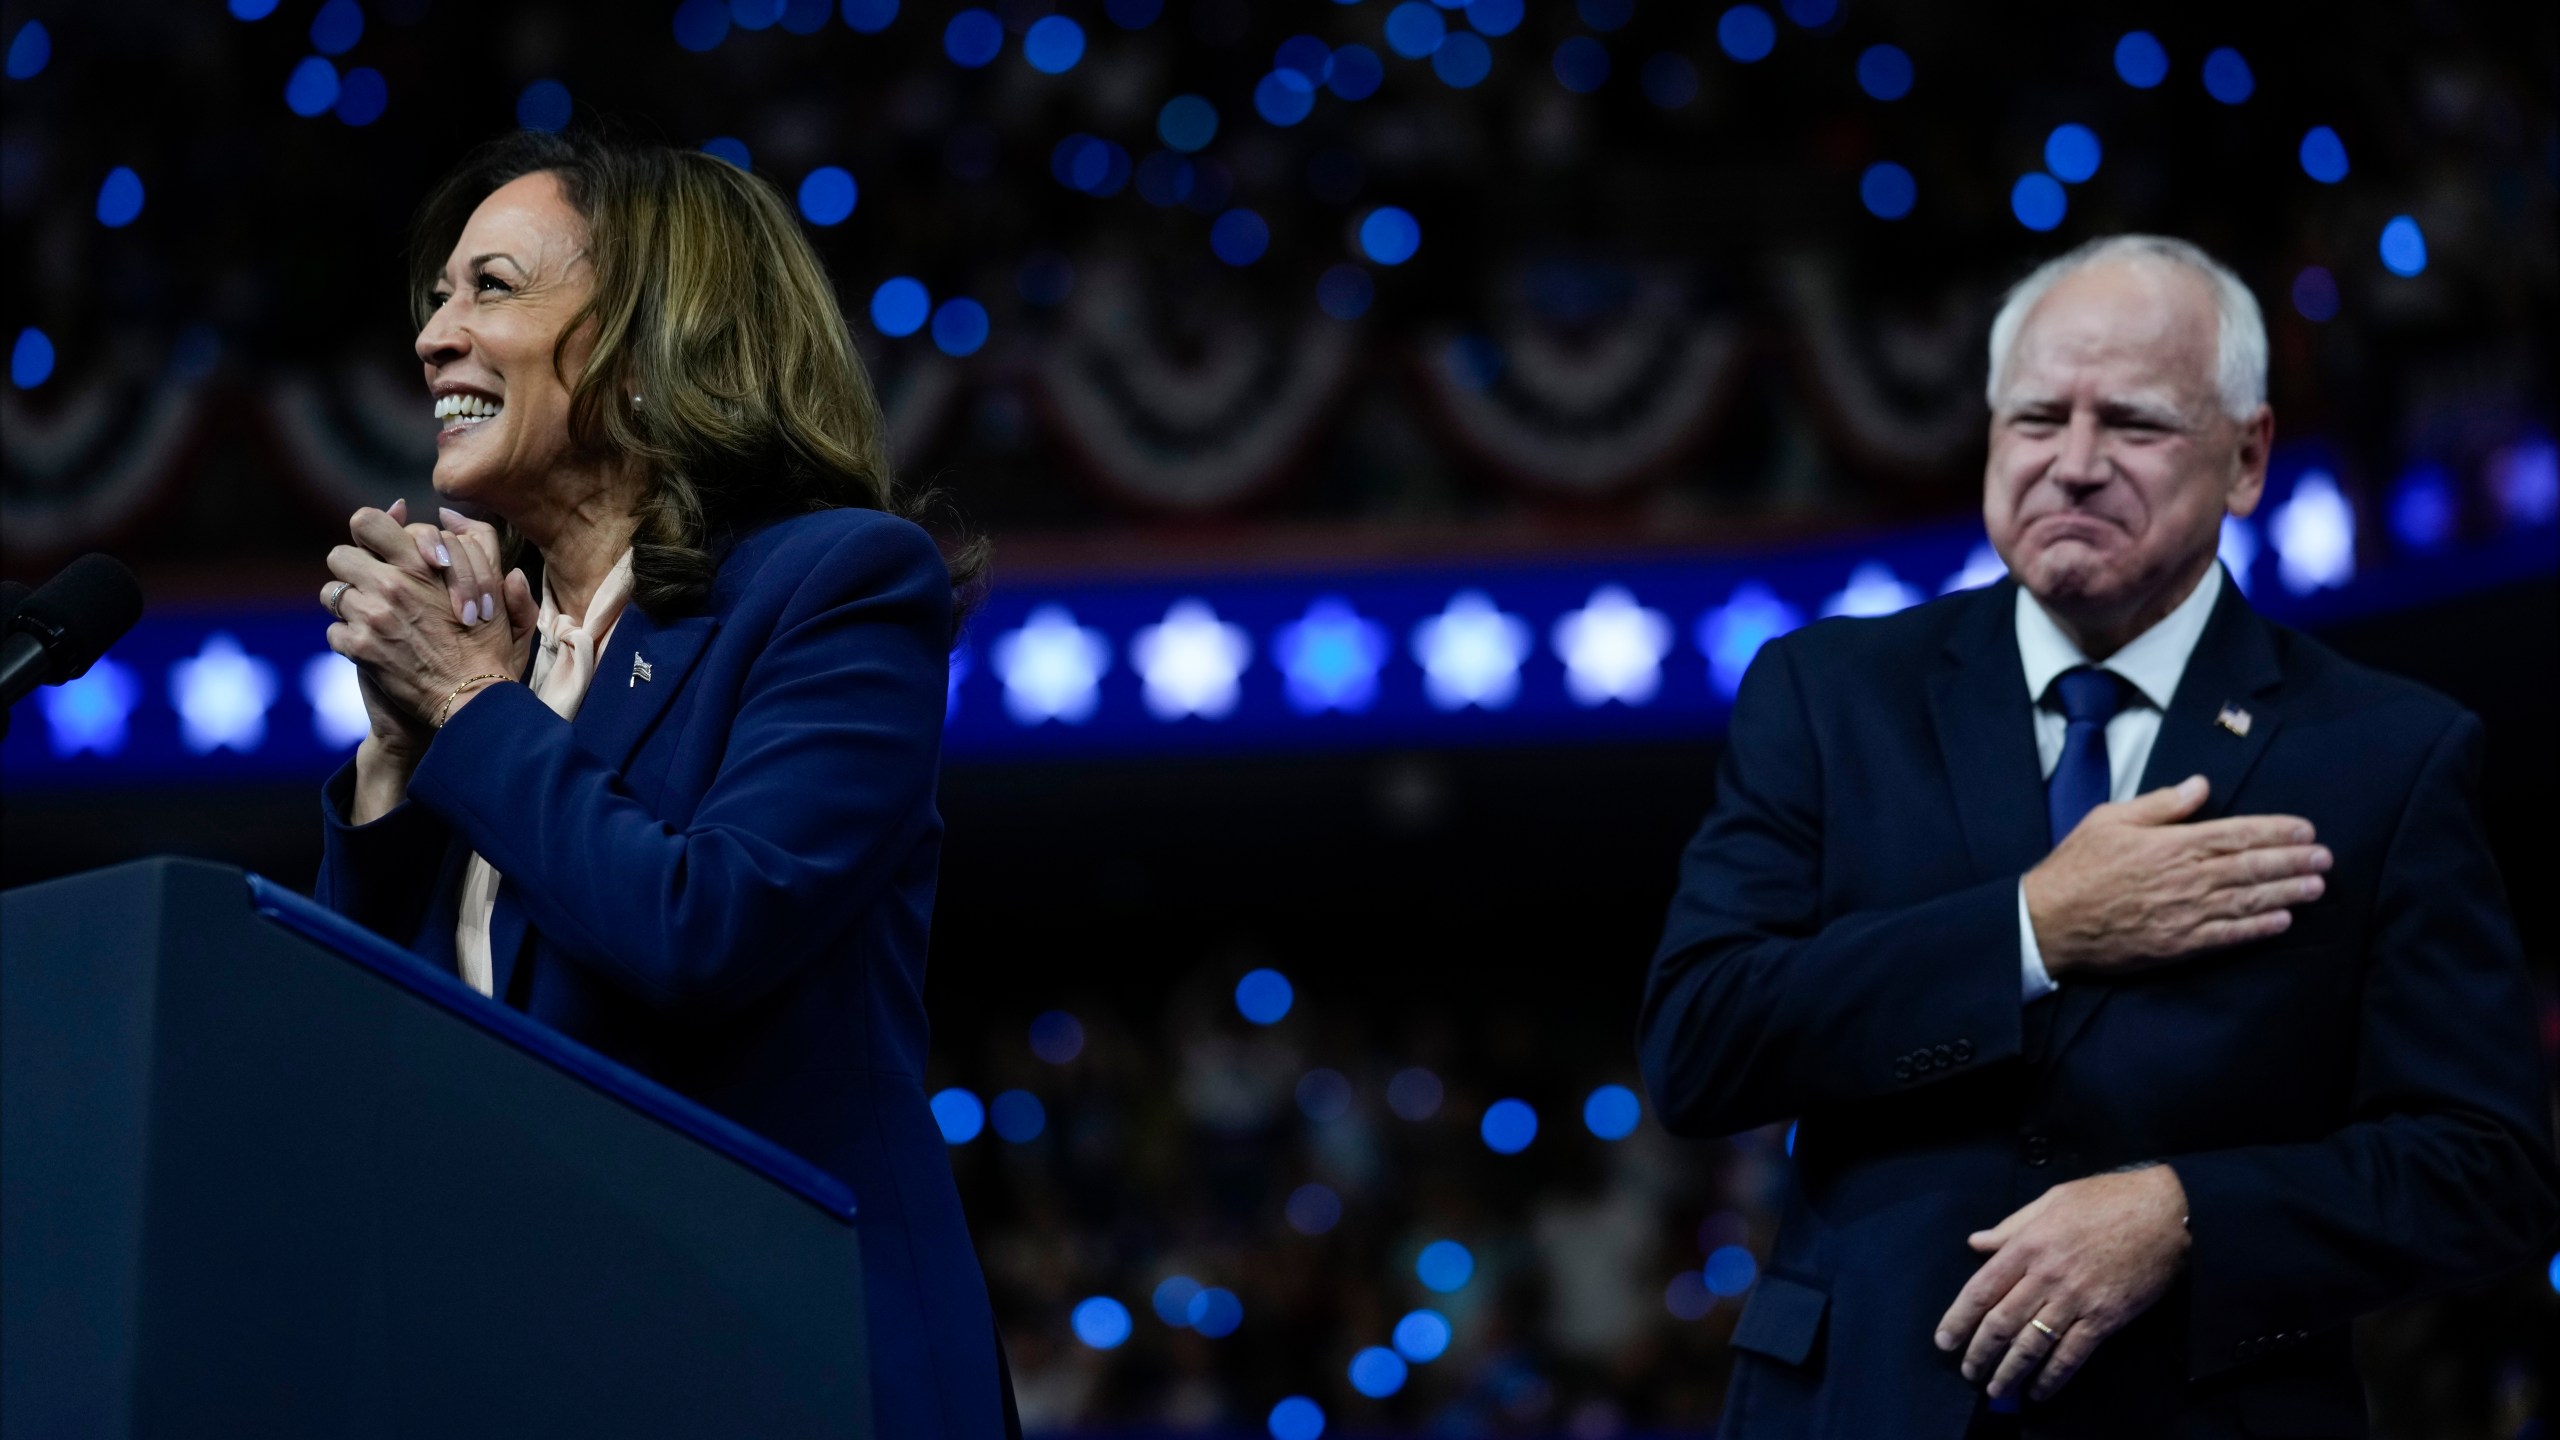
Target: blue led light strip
point(1585, 650)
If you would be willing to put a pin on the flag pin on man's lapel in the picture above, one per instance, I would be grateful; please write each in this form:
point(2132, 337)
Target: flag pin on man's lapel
point(640, 672)
point(2233, 719)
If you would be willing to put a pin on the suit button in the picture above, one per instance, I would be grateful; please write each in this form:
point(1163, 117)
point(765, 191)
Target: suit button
point(2038, 1150)
point(1945, 1054)
point(1964, 1051)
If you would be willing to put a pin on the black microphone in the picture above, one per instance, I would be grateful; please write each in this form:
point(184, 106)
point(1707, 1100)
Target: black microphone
point(61, 629)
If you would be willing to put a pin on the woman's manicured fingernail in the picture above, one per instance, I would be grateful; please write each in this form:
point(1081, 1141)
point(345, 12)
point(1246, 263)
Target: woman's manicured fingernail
point(469, 612)
point(488, 607)
point(443, 558)
point(1946, 1341)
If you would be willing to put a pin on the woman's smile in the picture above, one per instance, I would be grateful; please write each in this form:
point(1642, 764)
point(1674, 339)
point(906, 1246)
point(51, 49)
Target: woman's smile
point(459, 410)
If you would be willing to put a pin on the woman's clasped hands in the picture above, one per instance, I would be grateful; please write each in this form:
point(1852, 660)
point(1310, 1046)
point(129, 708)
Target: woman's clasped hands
point(428, 619)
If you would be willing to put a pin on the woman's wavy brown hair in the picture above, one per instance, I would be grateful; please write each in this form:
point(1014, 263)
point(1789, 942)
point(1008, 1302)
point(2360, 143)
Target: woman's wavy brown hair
point(711, 305)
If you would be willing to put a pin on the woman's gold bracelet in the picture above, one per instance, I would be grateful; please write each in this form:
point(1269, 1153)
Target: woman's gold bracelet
point(444, 711)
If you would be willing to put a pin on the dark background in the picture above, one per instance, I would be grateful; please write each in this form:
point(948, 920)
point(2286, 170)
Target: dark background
point(1484, 912)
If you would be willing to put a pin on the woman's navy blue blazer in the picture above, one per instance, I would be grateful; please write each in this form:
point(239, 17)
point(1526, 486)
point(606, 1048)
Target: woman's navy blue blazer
point(721, 874)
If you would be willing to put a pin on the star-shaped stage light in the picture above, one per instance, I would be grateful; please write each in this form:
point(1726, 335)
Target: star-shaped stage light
point(222, 696)
point(1471, 653)
point(1052, 667)
point(1983, 567)
point(2315, 535)
point(1732, 633)
point(90, 713)
point(1873, 589)
point(1330, 658)
point(1612, 648)
point(337, 701)
point(1190, 662)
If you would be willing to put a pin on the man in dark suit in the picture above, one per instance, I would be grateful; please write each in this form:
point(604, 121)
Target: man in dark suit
point(2115, 1135)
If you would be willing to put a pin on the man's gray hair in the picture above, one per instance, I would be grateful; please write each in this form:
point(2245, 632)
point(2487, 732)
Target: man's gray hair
point(2240, 332)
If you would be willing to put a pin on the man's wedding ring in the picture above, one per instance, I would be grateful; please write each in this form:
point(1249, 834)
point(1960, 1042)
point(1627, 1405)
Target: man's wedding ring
point(2049, 1332)
point(337, 593)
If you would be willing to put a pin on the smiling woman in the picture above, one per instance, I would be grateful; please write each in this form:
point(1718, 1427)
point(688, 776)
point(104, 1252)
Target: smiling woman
point(664, 465)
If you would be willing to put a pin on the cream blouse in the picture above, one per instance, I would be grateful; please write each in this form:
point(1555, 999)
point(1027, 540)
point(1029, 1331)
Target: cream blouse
point(564, 663)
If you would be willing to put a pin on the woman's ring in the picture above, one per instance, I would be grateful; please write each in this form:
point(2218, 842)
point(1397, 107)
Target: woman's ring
point(337, 594)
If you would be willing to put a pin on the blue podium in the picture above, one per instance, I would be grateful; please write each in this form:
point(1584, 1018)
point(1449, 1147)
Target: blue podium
point(265, 1174)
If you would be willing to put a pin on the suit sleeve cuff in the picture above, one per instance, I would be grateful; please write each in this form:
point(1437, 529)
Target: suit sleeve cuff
point(2034, 981)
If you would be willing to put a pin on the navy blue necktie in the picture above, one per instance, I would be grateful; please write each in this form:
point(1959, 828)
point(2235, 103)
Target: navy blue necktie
point(2088, 698)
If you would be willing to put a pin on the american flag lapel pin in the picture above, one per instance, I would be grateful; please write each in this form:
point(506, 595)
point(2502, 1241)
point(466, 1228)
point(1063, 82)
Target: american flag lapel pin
point(2233, 719)
point(640, 672)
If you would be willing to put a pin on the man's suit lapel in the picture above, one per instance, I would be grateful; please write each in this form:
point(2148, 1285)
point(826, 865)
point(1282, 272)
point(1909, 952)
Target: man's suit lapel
point(1986, 736)
point(639, 669)
point(2217, 726)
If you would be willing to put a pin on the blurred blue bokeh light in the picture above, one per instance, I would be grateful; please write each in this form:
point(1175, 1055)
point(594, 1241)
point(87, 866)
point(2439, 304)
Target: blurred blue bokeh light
point(1101, 1322)
point(1187, 123)
point(337, 26)
point(1357, 72)
point(2072, 153)
point(1324, 1095)
point(1495, 17)
point(1172, 1300)
point(1296, 1418)
point(1888, 190)
point(362, 96)
point(1746, 33)
point(1422, 1336)
point(1508, 1126)
point(1018, 1117)
point(1284, 98)
point(1581, 64)
point(869, 17)
point(1313, 1209)
point(1670, 80)
point(1264, 996)
point(119, 198)
point(700, 25)
point(544, 105)
point(1056, 1036)
point(29, 49)
point(2037, 200)
point(959, 327)
point(1414, 1094)
point(1414, 29)
point(828, 195)
point(1215, 1312)
point(1053, 44)
point(1133, 14)
point(2324, 155)
point(31, 359)
point(2227, 77)
point(1378, 1372)
point(2404, 246)
point(1307, 55)
point(312, 88)
point(2315, 294)
point(731, 149)
point(1444, 1266)
point(1605, 15)
point(1884, 71)
point(806, 17)
point(1390, 235)
point(252, 9)
point(1730, 1270)
point(1812, 14)
point(755, 14)
point(1687, 1296)
point(1165, 178)
point(958, 1114)
point(2425, 509)
point(2140, 61)
point(1612, 1112)
point(973, 38)
point(1462, 61)
point(1344, 292)
point(1239, 237)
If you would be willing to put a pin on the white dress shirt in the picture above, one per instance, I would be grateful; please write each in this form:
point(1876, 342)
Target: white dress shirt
point(2150, 665)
